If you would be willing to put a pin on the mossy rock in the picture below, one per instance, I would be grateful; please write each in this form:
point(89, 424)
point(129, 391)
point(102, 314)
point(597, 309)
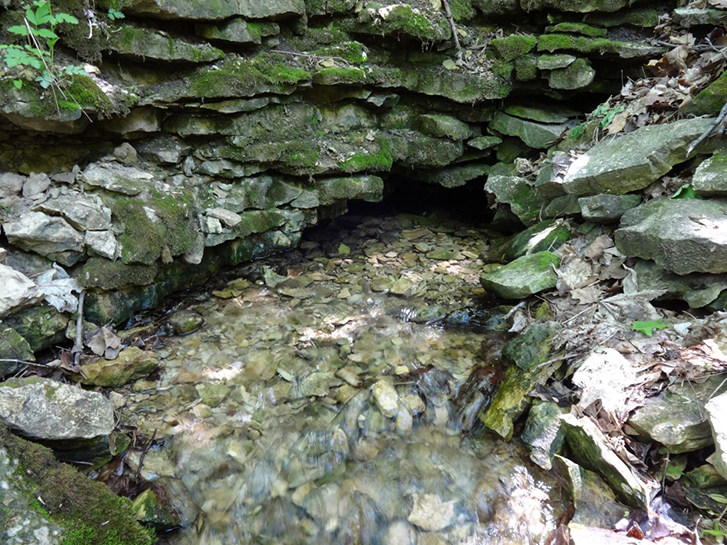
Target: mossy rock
point(403, 20)
point(710, 100)
point(105, 274)
point(87, 512)
point(514, 46)
point(237, 30)
point(525, 276)
point(146, 43)
point(577, 28)
point(12, 347)
point(443, 126)
point(577, 75)
point(42, 326)
point(598, 46)
point(544, 235)
point(132, 363)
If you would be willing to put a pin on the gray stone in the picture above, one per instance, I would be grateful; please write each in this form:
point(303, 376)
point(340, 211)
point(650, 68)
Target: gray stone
point(125, 153)
point(48, 236)
point(683, 235)
point(443, 126)
point(710, 178)
point(185, 321)
point(525, 202)
point(542, 114)
point(23, 523)
point(386, 398)
point(697, 289)
point(262, 193)
point(49, 410)
point(367, 188)
point(534, 134)
point(12, 347)
point(237, 30)
point(35, 184)
point(18, 290)
point(137, 121)
point(230, 219)
point(716, 411)
point(591, 450)
point(633, 161)
point(554, 62)
point(586, 6)
point(147, 43)
point(223, 9)
point(117, 178)
point(132, 363)
point(102, 243)
point(484, 142)
point(455, 176)
point(676, 418)
point(523, 277)
point(229, 169)
point(84, 214)
point(543, 433)
point(578, 75)
point(430, 513)
point(605, 208)
point(689, 17)
point(11, 184)
point(165, 150)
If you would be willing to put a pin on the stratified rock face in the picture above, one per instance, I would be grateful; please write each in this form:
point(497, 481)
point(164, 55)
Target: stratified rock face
point(49, 410)
point(216, 10)
point(683, 235)
point(633, 161)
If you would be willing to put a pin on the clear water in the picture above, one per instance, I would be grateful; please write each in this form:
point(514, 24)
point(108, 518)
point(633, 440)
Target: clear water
point(271, 420)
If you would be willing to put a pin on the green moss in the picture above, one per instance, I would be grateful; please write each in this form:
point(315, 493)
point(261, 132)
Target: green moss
point(513, 46)
point(382, 160)
point(88, 95)
point(578, 28)
point(351, 51)
point(339, 76)
point(711, 100)
point(462, 10)
point(403, 20)
point(87, 511)
point(601, 46)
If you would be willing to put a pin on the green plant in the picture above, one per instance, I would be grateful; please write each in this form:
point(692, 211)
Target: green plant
point(647, 328)
point(39, 28)
point(685, 192)
point(115, 14)
point(603, 111)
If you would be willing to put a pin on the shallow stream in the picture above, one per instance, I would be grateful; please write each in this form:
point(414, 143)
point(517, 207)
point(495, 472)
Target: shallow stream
point(326, 400)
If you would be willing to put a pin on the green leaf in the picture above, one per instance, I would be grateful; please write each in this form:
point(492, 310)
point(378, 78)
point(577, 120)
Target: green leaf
point(21, 30)
point(66, 18)
point(46, 33)
point(674, 472)
point(685, 192)
point(719, 498)
point(647, 328)
point(18, 84)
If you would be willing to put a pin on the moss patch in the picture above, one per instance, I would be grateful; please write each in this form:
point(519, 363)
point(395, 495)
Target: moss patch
point(88, 512)
point(514, 46)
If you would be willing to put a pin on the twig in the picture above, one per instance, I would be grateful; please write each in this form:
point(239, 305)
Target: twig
point(78, 344)
point(452, 26)
point(143, 455)
point(710, 130)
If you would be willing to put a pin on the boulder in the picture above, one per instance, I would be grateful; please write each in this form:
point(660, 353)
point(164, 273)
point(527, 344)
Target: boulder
point(132, 363)
point(35, 184)
point(11, 184)
point(710, 178)
point(49, 236)
point(150, 511)
point(535, 134)
point(591, 450)
point(633, 161)
point(676, 418)
point(51, 411)
point(525, 276)
point(41, 325)
point(710, 100)
point(681, 235)
point(606, 208)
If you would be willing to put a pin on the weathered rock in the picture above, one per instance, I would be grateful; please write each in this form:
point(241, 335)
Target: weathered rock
point(543, 433)
point(132, 363)
point(710, 100)
point(681, 235)
point(49, 410)
point(430, 513)
point(591, 450)
point(36, 183)
point(525, 202)
point(676, 418)
point(633, 161)
point(577, 75)
point(150, 511)
point(117, 178)
point(12, 347)
point(185, 321)
point(137, 121)
point(146, 43)
point(48, 236)
point(545, 235)
point(534, 134)
point(113, 275)
point(18, 290)
point(554, 62)
point(102, 243)
point(190, 9)
point(84, 214)
point(443, 126)
point(594, 502)
point(11, 184)
point(41, 325)
point(606, 376)
point(580, 7)
point(455, 176)
point(386, 398)
point(689, 17)
point(716, 411)
point(367, 188)
point(710, 178)
point(697, 289)
point(230, 219)
point(237, 30)
point(605, 208)
point(525, 276)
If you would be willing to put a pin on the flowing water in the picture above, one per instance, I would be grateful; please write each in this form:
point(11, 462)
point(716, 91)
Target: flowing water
point(326, 400)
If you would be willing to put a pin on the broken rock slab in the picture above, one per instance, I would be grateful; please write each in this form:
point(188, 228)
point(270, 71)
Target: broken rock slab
point(48, 410)
point(51, 237)
point(676, 418)
point(635, 160)
point(591, 450)
point(681, 235)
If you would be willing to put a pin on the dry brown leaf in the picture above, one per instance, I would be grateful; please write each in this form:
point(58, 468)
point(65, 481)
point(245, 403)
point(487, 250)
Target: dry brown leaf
point(618, 123)
point(587, 295)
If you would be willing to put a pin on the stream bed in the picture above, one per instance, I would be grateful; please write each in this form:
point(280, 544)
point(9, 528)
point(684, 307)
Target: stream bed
point(326, 400)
